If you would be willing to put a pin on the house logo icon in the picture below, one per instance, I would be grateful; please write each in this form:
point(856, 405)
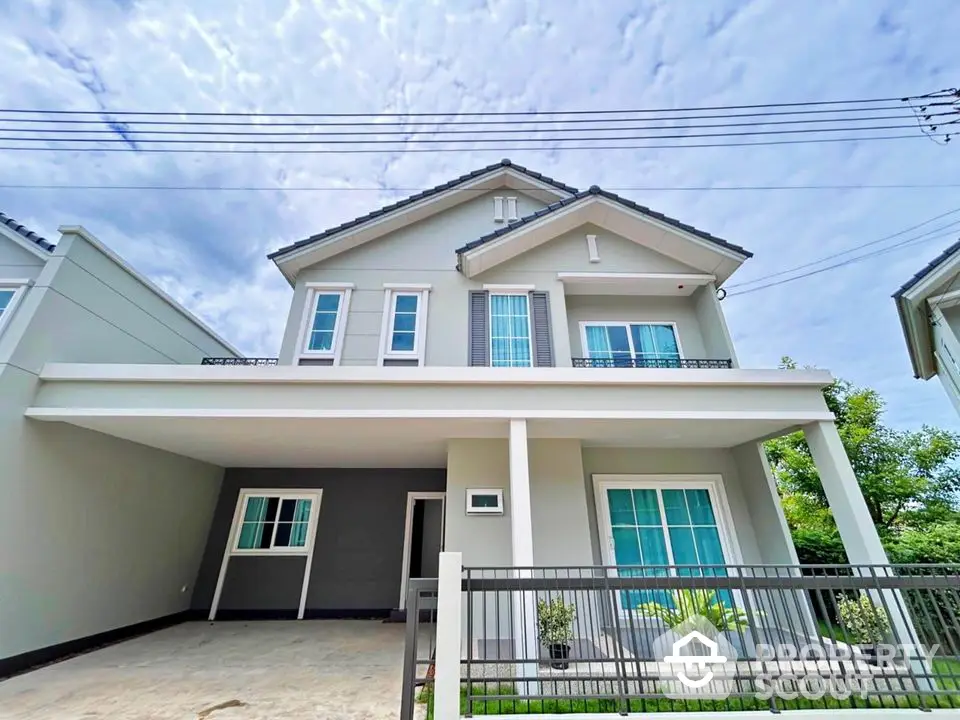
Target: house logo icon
point(692, 663)
point(694, 659)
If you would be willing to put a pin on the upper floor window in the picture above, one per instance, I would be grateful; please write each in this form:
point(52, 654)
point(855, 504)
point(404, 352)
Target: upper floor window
point(325, 320)
point(10, 293)
point(629, 344)
point(510, 338)
point(404, 323)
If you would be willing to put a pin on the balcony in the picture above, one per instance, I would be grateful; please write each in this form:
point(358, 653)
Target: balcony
point(248, 362)
point(654, 363)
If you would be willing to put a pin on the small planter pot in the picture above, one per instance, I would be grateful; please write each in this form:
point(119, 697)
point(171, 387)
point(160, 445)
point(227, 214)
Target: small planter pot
point(559, 656)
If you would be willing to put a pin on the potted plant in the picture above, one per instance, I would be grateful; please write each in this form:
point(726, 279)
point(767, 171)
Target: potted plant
point(866, 624)
point(555, 628)
point(686, 604)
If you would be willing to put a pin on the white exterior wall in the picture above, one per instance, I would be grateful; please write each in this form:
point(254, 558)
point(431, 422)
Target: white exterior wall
point(99, 533)
point(425, 253)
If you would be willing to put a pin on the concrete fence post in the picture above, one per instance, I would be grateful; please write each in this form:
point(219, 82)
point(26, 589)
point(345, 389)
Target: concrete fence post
point(446, 695)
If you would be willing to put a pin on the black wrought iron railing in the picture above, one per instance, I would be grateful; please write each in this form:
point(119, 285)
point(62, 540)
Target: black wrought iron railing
point(254, 362)
point(643, 639)
point(653, 363)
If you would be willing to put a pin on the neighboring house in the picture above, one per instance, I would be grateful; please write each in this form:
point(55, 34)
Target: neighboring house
point(929, 309)
point(97, 533)
point(502, 366)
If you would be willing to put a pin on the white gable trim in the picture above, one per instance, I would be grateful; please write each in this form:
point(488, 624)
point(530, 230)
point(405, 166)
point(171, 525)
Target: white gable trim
point(914, 308)
point(665, 239)
point(292, 262)
point(18, 239)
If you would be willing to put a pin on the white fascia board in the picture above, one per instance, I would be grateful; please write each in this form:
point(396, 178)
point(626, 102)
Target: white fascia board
point(126, 267)
point(615, 277)
point(17, 239)
point(54, 414)
point(916, 301)
point(110, 372)
point(400, 218)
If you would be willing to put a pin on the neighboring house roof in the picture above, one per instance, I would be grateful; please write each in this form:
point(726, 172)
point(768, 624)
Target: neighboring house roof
point(26, 233)
point(594, 190)
point(927, 269)
point(911, 300)
point(422, 196)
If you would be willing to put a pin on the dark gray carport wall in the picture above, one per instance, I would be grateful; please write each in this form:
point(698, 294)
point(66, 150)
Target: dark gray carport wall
point(358, 553)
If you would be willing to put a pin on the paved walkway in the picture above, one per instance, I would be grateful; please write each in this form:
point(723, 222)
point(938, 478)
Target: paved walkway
point(314, 669)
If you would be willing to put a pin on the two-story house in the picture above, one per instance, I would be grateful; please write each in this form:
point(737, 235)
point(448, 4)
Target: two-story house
point(929, 308)
point(502, 366)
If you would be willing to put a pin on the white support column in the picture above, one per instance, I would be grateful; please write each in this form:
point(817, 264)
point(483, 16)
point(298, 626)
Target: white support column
point(446, 698)
point(525, 642)
point(859, 535)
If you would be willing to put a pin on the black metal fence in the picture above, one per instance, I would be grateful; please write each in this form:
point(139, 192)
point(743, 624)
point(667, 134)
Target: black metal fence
point(419, 646)
point(631, 639)
point(653, 363)
point(256, 361)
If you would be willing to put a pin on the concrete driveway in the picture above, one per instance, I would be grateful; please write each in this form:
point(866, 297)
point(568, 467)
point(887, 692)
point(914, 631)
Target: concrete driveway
point(303, 670)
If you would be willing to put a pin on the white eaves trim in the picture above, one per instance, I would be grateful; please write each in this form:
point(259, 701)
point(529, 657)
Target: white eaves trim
point(123, 265)
point(949, 299)
point(30, 247)
point(617, 277)
point(797, 417)
point(431, 375)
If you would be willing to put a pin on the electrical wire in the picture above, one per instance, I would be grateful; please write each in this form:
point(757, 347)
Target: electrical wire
point(542, 121)
point(850, 261)
point(407, 133)
point(403, 151)
point(854, 248)
point(328, 188)
point(516, 113)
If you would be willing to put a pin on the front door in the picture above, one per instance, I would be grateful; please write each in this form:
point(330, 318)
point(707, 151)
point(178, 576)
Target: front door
point(423, 538)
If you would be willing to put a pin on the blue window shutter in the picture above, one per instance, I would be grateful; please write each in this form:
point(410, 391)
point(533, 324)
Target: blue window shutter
point(542, 335)
point(479, 351)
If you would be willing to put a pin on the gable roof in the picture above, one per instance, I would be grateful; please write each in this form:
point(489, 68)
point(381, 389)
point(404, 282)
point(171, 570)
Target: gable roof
point(595, 190)
point(26, 233)
point(387, 209)
point(927, 269)
point(911, 302)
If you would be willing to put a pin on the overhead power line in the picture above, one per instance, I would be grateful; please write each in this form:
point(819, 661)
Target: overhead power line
point(458, 149)
point(856, 247)
point(514, 113)
point(330, 188)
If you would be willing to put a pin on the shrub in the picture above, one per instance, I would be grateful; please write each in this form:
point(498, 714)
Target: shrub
point(863, 621)
point(555, 621)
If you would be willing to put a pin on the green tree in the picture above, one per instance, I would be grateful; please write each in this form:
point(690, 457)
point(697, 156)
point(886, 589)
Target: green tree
point(909, 479)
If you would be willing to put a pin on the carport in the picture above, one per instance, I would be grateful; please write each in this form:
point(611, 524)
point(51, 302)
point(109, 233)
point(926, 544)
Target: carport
point(225, 671)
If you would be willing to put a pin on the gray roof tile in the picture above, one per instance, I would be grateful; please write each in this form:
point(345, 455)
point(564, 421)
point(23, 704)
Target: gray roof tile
point(927, 269)
point(595, 190)
point(26, 233)
point(420, 196)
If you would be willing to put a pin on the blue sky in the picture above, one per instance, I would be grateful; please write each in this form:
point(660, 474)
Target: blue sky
point(208, 248)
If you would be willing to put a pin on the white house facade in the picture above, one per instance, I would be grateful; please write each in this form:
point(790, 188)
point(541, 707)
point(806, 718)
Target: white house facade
point(502, 367)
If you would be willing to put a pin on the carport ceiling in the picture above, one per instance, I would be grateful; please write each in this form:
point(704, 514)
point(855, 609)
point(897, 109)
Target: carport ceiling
point(316, 442)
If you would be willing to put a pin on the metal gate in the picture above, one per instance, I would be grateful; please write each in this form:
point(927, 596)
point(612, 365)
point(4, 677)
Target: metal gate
point(420, 645)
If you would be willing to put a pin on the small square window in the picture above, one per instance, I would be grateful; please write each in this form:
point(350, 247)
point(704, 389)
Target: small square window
point(485, 501)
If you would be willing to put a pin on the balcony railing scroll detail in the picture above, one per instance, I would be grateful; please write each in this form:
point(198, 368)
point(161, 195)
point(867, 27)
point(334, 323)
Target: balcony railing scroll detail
point(654, 363)
point(248, 362)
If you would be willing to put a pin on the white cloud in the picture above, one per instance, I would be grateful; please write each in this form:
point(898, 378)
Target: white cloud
point(208, 248)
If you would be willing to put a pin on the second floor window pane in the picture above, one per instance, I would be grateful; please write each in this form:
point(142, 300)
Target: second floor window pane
point(635, 344)
point(404, 336)
point(324, 322)
point(655, 341)
point(510, 331)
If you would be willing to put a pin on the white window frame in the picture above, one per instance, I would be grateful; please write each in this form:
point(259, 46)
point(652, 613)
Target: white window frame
point(230, 549)
point(19, 287)
point(627, 323)
point(714, 486)
point(504, 291)
point(314, 290)
point(391, 292)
